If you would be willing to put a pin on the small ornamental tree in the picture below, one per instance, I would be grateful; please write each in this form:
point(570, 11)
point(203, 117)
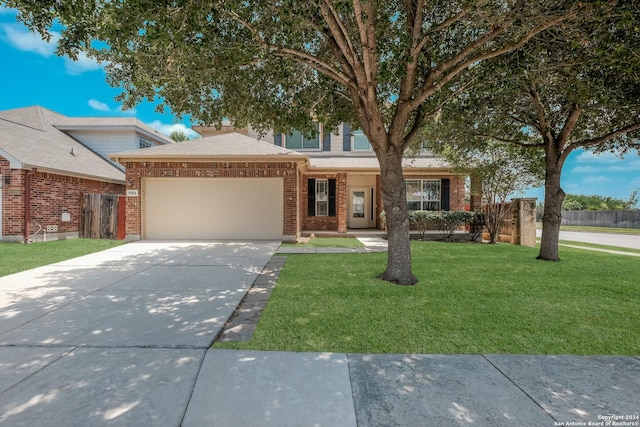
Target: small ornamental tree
point(502, 169)
point(383, 66)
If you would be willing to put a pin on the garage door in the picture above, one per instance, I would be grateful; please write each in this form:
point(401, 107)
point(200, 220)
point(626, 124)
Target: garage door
point(192, 208)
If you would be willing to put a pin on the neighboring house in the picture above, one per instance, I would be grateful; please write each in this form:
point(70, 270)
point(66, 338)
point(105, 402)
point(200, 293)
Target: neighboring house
point(231, 185)
point(48, 161)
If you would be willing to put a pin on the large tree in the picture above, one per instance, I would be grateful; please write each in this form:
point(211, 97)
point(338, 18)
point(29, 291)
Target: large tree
point(382, 65)
point(568, 89)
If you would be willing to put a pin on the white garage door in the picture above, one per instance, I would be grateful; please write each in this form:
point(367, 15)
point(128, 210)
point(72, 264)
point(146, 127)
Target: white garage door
point(221, 208)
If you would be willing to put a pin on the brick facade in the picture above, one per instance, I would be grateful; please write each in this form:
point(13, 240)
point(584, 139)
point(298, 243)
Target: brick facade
point(51, 196)
point(136, 171)
point(325, 223)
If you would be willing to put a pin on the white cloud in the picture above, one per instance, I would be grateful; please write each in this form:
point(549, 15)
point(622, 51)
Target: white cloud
point(586, 169)
point(168, 129)
point(81, 65)
point(589, 157)
point(98, 105)
point(22, 39)
point(597, 180)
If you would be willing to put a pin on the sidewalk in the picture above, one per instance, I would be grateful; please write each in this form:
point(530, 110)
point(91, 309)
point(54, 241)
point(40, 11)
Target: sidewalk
point(253, 388)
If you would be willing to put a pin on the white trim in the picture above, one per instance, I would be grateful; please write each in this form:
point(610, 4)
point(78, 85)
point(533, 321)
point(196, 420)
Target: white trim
point(13, 162)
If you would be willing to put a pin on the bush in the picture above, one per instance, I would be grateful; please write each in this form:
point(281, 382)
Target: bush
point(445, 222)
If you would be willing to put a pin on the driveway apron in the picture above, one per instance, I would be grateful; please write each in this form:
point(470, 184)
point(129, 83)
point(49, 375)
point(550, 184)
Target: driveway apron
point(118, 337)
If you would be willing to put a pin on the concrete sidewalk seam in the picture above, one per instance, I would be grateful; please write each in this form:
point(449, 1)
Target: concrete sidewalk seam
point(535, 402)
point(195, 380)
point(66, 353)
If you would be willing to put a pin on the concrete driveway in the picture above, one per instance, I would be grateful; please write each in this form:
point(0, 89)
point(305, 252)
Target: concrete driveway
point(118, 335)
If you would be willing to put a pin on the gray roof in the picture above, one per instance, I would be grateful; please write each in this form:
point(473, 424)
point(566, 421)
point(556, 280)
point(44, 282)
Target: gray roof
point(29, 136)
point(230, 145)
point(370, 162)
point(76, 123)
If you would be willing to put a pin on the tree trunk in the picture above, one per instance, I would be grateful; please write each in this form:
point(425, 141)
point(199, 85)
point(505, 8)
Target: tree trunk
point(553, 198)
point(394, 198)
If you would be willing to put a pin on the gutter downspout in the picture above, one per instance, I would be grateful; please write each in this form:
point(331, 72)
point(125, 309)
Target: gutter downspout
point(27, 203)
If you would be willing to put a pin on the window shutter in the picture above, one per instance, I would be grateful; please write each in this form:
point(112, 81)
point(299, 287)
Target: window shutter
point(445, 188)
point(332, 197)
point(346, 137)
point(311, 190)
point(277, 139)
point(326, 140)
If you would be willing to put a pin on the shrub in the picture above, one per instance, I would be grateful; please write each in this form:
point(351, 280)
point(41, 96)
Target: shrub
point(475, 224)
point(445, 222)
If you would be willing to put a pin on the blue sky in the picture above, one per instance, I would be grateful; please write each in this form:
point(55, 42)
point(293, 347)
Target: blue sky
point(33, 75)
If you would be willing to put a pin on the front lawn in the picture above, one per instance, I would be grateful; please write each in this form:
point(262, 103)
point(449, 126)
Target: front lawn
point(15, 257)
point(470, 299)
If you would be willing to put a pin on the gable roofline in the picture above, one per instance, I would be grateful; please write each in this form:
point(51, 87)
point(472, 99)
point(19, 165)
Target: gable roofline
point(232, 146)
point(75, 174)
point(29, 140)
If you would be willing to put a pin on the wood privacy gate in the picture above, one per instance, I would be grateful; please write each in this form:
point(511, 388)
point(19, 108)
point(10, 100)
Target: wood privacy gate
point(103, 216)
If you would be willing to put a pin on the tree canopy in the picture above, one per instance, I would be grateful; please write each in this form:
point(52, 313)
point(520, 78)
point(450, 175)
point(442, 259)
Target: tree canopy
point(383, 66)
point(570, 88)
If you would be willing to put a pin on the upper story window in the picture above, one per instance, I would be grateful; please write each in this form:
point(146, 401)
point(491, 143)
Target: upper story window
point(423, 194)
point(359, 141)
point(144, 143)
point(297, 141)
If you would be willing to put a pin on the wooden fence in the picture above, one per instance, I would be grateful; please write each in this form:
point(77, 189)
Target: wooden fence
point(519, 223)
point(506, 230)
point(615, 219)
point(102, 216)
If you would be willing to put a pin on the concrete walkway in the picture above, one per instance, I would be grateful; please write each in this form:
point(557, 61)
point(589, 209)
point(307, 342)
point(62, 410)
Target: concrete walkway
point(122, 338)
point(371, 244)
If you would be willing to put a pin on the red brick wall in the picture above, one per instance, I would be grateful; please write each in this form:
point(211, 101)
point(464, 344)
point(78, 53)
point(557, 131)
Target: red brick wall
point(321, 223)
point(51, 195)
point(286, 170)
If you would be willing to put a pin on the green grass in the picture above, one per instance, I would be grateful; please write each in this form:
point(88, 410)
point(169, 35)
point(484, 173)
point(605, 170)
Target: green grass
point(330, 242)
point(470, 299)
point(596, 246)
point(19, 257)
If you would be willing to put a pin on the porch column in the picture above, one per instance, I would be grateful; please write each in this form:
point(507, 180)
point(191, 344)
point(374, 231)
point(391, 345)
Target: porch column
point(476, 192)
point(341, 196)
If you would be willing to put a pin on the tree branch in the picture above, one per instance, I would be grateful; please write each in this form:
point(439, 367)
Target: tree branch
point(606, 138)
point(297, 55)
point(429, 87)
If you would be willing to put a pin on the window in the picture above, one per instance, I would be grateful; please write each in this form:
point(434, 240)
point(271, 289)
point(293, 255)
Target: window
point(423, 194)
point(322, 197)
point(359, 141)
point(144, 143)
point(297, 141)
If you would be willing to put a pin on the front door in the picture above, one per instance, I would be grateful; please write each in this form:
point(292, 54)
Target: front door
point(358, 208)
